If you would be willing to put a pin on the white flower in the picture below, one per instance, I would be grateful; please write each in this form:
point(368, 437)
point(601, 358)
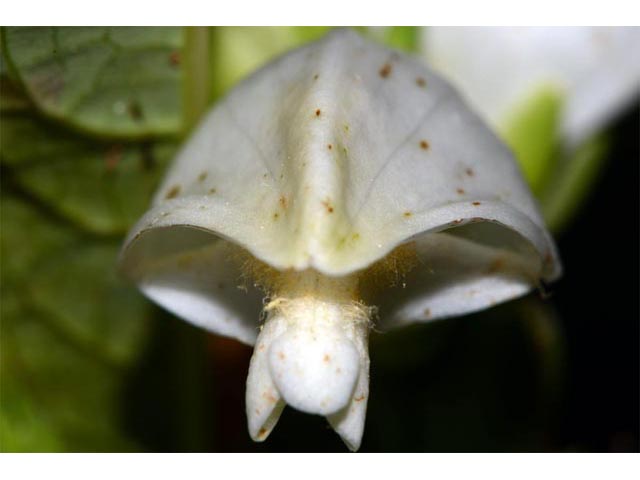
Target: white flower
point(339, 178)
point(499, 68)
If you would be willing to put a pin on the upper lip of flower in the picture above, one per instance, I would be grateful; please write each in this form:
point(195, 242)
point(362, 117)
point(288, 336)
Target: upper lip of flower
point(346, 158)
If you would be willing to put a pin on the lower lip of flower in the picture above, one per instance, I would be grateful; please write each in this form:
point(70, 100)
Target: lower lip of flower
point(311, 352)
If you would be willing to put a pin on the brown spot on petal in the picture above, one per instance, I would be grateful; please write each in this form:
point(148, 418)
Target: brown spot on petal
point(173, 192)
point(460, 191)
point(359, 398)
point(203, 176)
point(385, 70)
point(262, 432)
point(421, 82)
point(326, 358)
point(330, 146)
point(283, 202)
point(424, 144)
point(407, 214)
point(328, 206)
point(318, 112)
point(496, 265)
point(281, 355)
point(315, 77)
point(470, 172)
point(475, 204)
point(268, 396)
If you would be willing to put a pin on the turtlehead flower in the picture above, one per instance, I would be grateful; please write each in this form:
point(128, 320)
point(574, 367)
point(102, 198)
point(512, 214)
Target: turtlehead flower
point(500, 68)
point(341, 180)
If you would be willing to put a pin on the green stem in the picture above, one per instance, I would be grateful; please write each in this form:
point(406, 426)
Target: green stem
point(196, 83)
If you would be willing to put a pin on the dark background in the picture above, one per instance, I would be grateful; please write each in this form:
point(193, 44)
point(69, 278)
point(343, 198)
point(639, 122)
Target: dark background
point(598, 302)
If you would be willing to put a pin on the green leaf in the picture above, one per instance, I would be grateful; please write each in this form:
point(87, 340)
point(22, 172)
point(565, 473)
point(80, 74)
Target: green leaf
point(70, 332)
point(55, 397)
point(24, 237)
point(110, 82)
point(12, 99)
point(532, 132)
point(79, 290)
point(103, 187)
point(560, 178)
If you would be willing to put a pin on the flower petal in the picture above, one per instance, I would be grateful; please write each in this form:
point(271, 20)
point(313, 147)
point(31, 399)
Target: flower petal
point(335, 154)
point(195, 276)
point(349, 422)
point(460, 272)
point(263, 401)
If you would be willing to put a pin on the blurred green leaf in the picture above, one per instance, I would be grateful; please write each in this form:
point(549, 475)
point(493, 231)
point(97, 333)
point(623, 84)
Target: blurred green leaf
point(238, 51)
point(108, 81)
point(78, 289)
point(560, 177)
point(72, 331)
point(532, 133)
point(22, 426)
point(25, 237)
point(70, 328)
point(48, 385)
point(402, 38)
point(572, 181)
point(102, 187)
point(12, 99)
